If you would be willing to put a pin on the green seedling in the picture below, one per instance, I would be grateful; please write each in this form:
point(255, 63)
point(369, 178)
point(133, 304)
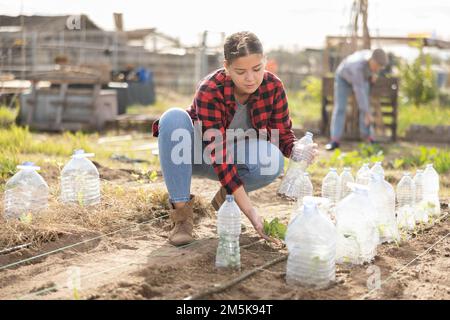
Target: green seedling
point(275, 229)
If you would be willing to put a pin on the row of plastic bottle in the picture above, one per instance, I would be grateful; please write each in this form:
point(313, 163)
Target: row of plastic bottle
point(417, 198)
point(365, 218)
point(26, 193)
point(351, 219)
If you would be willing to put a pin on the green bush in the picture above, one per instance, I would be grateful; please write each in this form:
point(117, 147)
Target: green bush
point(8, 163)
point(418, 81)
point(423, 155)
point(7, 116)
point(313, 89)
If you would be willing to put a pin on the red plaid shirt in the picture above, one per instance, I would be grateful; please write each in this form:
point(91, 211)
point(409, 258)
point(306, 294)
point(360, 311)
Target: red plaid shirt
point(214, 105)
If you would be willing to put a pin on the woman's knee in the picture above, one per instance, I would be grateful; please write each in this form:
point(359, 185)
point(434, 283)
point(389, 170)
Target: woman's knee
point(175, 118)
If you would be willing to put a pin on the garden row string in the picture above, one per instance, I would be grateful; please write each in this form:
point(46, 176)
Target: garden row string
point(72, 245)
point(225, 285)
point(410, 262)
point(79, 243)
point(92, 275)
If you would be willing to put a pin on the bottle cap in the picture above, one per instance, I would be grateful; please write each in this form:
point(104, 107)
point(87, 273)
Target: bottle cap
point(309, 203)
point(229, 198)
point(78, 154)
point(28, 166)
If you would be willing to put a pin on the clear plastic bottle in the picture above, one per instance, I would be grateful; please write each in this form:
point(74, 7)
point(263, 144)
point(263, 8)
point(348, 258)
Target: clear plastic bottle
point(406, 194)
point(363, 174)
point(305, 188)
point(297, 165)
point(357, 235)
point(80, 180)
point(346, 177)
point(431, 191)
point(26, 193)
point(379, 194)
point(421, 212)
point(377, 168)
point(228, 229)
point(311, 241)
point(331, 186)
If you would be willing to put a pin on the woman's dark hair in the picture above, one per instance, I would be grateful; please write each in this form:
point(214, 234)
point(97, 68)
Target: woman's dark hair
point(241, 44)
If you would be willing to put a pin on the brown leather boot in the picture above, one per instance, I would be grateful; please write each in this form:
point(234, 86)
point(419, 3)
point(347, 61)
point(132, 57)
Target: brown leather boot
point(219, 198)
point(183, 220)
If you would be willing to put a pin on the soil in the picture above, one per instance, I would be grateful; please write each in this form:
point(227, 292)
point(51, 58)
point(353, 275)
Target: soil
point(138, 263)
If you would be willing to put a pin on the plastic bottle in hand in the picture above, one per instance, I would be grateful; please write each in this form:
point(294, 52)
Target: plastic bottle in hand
point(311, 241)
point(229, 229)
point(301, 156)
point(80, 181)
point(26, 193)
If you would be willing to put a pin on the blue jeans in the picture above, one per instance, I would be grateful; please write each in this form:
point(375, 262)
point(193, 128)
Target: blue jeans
point(342, 89)
point(178, 170)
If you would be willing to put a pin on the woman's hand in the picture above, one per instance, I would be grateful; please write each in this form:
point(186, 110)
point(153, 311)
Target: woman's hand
point(245, 205)
point(258, 224)
point(307, 153)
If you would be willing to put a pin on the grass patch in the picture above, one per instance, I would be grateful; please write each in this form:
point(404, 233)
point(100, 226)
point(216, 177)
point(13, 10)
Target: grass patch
point(354, 159)
point(303, 110)
point(7, 116)
point(119, 208)
point(429, 115)
point(20, 140)
point(420, 156)
point(18, 144)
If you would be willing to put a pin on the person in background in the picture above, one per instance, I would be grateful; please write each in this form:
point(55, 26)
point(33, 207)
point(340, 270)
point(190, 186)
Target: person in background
point(355, 72)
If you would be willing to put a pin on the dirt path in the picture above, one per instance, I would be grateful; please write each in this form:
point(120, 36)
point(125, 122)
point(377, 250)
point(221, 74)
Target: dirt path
point(139, 264)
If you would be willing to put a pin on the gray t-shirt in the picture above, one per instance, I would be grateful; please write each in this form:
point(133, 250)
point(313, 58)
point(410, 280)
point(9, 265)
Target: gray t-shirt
point(241, 119)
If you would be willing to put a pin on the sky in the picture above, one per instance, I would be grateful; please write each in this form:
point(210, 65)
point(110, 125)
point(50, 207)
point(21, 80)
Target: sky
point(286, 23)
